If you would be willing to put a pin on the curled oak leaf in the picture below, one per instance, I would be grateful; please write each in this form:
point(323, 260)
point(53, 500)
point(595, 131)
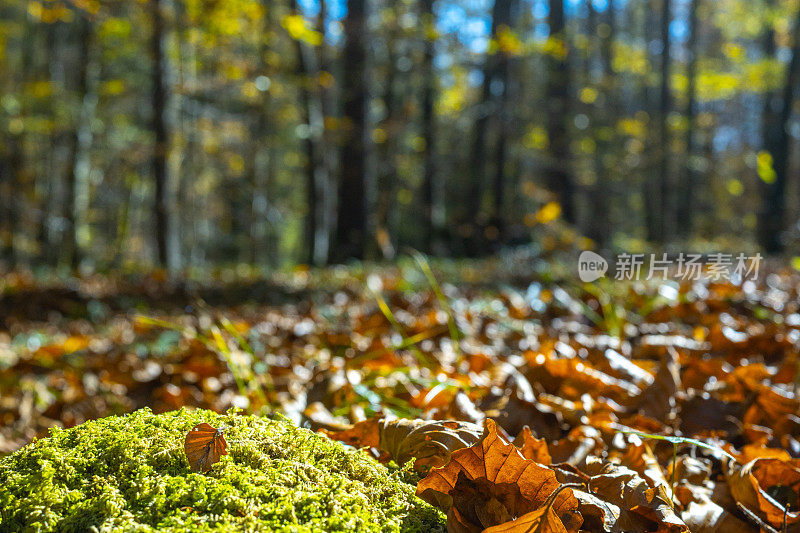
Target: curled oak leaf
point(490, 483)
point(542, 520)
point(430, 442)
point(532, 448)
point(642, 509)
point(767, 487)
point(598, 514)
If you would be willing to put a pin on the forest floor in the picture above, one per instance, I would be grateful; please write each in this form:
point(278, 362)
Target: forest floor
point(690, 389)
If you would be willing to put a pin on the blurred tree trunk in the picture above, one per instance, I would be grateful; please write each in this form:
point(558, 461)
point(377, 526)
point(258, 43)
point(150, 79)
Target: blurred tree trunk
point(685, 205)
point(161, 136)
point(328, 155)
point(387, 148)
point(487, 110)
point(71, 253)
point(307, 76)
point(260, 152)
point(430, 201)
point(10, 164)
point(559, 173)
point(606, 113)
point(650, 158)
point(351, 223)
point(477, 161)
point(502, 119)
point(776, 139)
point(664, 227)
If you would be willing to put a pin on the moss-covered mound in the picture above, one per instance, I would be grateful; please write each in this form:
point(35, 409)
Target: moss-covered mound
point(130, 474)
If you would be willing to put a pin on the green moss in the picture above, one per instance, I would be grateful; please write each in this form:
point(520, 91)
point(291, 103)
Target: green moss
point(130, 474)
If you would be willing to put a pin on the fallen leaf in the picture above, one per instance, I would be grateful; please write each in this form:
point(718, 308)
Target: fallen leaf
point(430, 442)
point(766, 486)
point(203, 446)
point(542, 520)
point(492, 482)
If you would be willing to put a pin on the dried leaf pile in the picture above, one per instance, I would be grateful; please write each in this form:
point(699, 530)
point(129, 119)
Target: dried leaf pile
point(529, 406)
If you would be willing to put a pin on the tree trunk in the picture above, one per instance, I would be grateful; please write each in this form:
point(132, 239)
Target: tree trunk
point(685, 206)
point(777, 113)
point(650, 191)
point(161, 138)
point(559, 174)
point(351, 223)
point(306, 75)
point(664, 151)
point(502, 16)
point(71, 254)
point(432, 227)
point(327, 186)
point(10, 163)
point(387, 149)
point(495, 70)
point(599, 229)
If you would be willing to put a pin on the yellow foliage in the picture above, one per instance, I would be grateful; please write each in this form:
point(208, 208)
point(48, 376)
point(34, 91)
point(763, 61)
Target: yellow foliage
point(249, 90)
point(734, 52)
point(587, 145)
point(113, 87)
point(555, 47)
point(233, 72)
point(49, 15)
point(717, 85)
point(114, 27)
point(632, 127)
point(236, 164)
point(379, 135)
point(735, 187)
point(766, 171)
point(41, 89)
point(536, 138)
point(548, 213)
point(588, 95)
point(454, 98)
point(506, 41)
point(631, 59)
point(298, 30)
point(326, 79)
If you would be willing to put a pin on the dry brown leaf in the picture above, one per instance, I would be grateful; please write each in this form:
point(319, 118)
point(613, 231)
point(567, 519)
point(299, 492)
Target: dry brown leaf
point(366, 434)
point(490, 483)
point(430, 442)
point(642, 508)
point(765, 486)
point(532, 448)
point(542, 520)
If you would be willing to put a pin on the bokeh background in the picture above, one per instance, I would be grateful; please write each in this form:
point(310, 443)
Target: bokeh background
point(202, 133)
